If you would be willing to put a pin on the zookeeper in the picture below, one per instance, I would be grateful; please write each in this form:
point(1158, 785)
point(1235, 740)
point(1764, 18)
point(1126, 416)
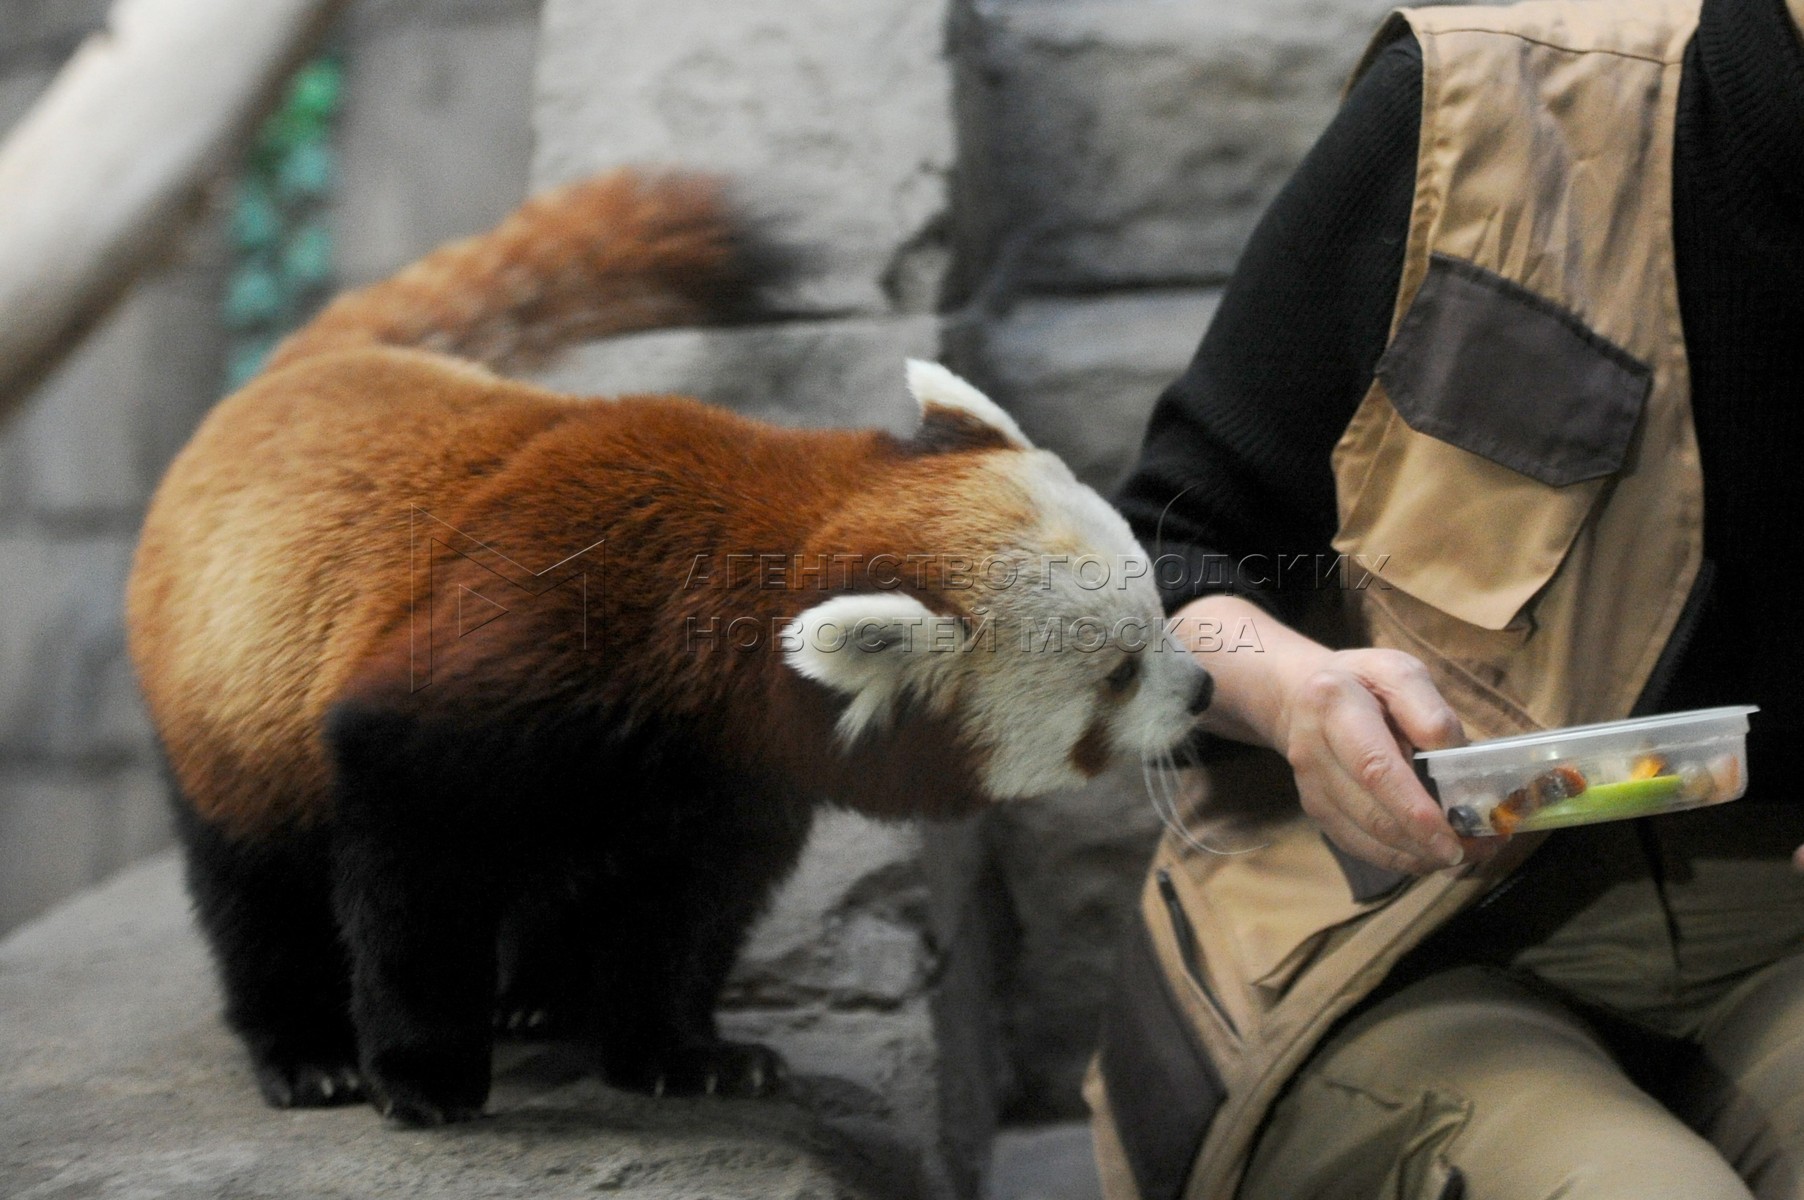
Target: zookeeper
point(1523, 338)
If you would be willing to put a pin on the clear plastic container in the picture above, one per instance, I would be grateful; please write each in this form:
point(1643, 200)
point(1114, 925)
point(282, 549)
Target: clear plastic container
point(1590, 773)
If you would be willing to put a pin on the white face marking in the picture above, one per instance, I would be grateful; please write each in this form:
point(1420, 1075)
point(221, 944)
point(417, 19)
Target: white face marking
point(1061, 609)
point(1091, 581)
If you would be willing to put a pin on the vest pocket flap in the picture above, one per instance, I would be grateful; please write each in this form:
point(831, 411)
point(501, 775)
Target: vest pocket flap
point(1485, 365)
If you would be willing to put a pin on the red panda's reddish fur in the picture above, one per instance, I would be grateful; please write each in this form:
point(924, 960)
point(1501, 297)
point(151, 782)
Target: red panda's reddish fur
point(622, 252)
point(343, 797)
point(278, 548)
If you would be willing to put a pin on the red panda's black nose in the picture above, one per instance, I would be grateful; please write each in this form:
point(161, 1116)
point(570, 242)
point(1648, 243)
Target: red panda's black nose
point(1203, 693)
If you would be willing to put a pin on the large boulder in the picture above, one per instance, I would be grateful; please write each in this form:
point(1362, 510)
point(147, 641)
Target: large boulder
point(118, 1077)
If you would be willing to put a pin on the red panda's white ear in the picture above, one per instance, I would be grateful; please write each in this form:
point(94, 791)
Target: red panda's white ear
point(875, 647)
point(956, 415)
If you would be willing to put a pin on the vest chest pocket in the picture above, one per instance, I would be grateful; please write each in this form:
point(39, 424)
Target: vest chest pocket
point(1495, 423)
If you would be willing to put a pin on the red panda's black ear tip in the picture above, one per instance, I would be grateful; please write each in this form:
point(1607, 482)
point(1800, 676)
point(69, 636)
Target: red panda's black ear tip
point(946, 431)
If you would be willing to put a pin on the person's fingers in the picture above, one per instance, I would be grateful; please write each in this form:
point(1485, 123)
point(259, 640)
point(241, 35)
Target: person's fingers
point(1408, 694)
point(1482, 849)
point(1354, 777)
point(1474, 850)
point(1362, 845)
point(1384, 795)
point(1797, 858)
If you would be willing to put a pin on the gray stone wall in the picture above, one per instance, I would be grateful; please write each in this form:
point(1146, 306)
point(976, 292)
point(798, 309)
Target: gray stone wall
point(434, 142)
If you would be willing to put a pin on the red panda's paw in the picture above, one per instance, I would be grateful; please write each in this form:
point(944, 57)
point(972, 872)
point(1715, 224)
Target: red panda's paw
point(422, 1088)
point(536, 1009)
point(308, 1084)
point(719, 1068)
point(531, 1022)
point(413, 1109)
point(417, 1112)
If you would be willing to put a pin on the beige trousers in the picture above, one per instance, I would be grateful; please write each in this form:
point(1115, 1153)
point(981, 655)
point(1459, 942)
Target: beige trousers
point(1642, 1039)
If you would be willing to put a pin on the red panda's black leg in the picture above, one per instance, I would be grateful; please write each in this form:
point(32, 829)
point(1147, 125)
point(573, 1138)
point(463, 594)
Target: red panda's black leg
point(611, 958)
point(420, 865)
point(660, 977)
point(265, 909)
point(420, 924)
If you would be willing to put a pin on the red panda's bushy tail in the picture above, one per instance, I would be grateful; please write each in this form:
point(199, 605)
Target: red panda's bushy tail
point(626, 251)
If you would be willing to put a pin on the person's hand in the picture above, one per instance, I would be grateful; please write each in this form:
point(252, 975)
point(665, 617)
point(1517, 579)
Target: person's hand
point(1797, 858)
point(1346, 720)
point(1349, 726)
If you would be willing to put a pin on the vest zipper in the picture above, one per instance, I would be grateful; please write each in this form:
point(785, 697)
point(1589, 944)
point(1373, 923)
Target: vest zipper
point(1186, 938)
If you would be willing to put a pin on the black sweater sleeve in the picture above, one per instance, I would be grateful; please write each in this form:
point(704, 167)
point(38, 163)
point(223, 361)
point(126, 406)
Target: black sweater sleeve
point(1234, 472)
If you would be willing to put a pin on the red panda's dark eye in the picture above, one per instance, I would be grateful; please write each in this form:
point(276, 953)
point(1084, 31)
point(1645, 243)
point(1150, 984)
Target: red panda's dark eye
point(1123, 676)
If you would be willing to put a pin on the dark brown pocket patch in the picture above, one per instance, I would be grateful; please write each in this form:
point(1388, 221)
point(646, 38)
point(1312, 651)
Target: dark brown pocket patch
point(1163, 1090)
point(1486, 365)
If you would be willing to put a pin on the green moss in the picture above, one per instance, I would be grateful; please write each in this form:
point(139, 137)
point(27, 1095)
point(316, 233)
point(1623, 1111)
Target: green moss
point(317, 89)
point(306, 172)
point(253, 298)
point(307, 258)
point(256, 221)
point(280, 233)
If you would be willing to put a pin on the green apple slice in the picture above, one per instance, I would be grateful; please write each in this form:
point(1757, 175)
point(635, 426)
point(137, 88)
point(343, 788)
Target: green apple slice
point(1609, 802)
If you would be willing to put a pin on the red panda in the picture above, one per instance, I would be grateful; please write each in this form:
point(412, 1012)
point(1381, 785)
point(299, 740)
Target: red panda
point(476, 695)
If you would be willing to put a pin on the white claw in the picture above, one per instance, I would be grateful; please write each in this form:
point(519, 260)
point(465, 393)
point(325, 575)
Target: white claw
point(326, 1087)
point(514, 1018)
point(657, 1087)
point(711, 1084)
point(757, 1077)
point(537, 1018)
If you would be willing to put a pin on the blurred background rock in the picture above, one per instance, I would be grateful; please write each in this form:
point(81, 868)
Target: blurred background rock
point(1048, 194)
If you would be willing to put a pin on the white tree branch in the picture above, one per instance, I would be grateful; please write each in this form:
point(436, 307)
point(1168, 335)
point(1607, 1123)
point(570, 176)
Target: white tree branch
point(99, 175)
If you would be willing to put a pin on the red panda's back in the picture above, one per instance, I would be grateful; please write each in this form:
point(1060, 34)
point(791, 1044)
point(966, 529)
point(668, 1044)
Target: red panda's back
point(277, 545)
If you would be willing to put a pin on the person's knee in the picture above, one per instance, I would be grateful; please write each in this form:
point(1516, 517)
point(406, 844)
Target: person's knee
point(1330, 1139)
point(1471, 1079)
point(1565, 1124)
point(1670, 1165)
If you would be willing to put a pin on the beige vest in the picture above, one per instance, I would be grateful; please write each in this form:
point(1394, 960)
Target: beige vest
point(1525, 474)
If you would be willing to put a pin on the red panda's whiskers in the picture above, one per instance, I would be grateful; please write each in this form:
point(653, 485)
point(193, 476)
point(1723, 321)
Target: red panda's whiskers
point(1160, 773)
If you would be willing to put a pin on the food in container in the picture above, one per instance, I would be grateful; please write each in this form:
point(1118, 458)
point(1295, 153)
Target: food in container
point(1590, 773)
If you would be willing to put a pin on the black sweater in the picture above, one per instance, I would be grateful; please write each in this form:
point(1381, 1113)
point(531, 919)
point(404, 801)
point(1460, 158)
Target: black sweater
point(1236, 458)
